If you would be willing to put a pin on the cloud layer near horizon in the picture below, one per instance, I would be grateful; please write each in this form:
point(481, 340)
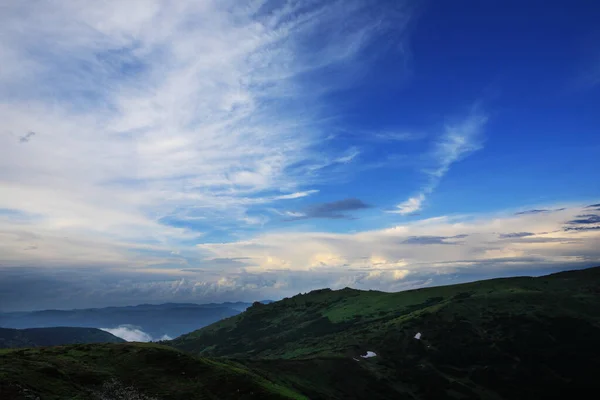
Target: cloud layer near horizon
point(434, 245)
point(443, 250)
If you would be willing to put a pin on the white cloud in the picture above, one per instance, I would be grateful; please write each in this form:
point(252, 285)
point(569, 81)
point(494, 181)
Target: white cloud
point(140, 110)
point(457, 142)
point(411, 205)
point(296, 195)
point(441, 250)
point(129, 333)
point(348, 158)
point(432, 245)
point(208, 112)
point(133, 333)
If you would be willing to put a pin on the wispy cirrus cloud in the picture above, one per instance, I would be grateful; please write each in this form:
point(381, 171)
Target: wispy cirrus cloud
point(395, 136)
point(384, 135)
point(167, 133)
point(413, 204)
point(205, 111)
point(456, 142)
point(296, 195)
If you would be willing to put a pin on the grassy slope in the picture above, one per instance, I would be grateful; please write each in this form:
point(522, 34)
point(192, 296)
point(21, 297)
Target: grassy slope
point(501, 338)
point(13, 338)
point(497, 339)
point(76, 371)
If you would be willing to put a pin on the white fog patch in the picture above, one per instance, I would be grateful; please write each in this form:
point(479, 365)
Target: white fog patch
point(133, 333)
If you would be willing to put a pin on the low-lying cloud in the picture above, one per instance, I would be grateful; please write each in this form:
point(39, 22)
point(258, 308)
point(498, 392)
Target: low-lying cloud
point(133, 333)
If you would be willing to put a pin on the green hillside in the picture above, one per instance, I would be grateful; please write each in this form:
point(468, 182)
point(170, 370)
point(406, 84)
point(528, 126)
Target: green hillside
point(500, 338)
point(515, 338)
point(127, 371)
point(33, 337)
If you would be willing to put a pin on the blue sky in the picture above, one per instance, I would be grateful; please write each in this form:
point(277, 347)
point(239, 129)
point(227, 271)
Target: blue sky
point(238, 150)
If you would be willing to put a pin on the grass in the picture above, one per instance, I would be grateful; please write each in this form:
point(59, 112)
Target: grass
point(78, 371)
point(499, 338)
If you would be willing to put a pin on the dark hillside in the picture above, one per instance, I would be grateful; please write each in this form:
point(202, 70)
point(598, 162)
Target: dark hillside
point(502, 338)
point(514, 338)
point(141, 371)
point(34, 337)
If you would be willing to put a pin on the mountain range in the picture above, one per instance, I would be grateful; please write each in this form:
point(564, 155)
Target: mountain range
point(155, 320)
point(34, 337)
point(510, 338)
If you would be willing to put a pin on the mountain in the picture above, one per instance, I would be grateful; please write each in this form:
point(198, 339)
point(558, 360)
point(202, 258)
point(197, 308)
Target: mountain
point(171, 319)
point(501, 338)
point(512, 338)
point(14, 338)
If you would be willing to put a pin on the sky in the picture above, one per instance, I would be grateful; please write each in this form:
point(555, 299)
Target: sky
point(202, 150)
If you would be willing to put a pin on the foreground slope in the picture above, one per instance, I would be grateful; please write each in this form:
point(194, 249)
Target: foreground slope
point(500, 338)
point(127, 371)
point(14, 338)
point(148, 371)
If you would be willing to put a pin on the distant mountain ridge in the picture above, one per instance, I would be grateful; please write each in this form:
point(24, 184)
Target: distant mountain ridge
point(35, 337)
point(157, 320)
